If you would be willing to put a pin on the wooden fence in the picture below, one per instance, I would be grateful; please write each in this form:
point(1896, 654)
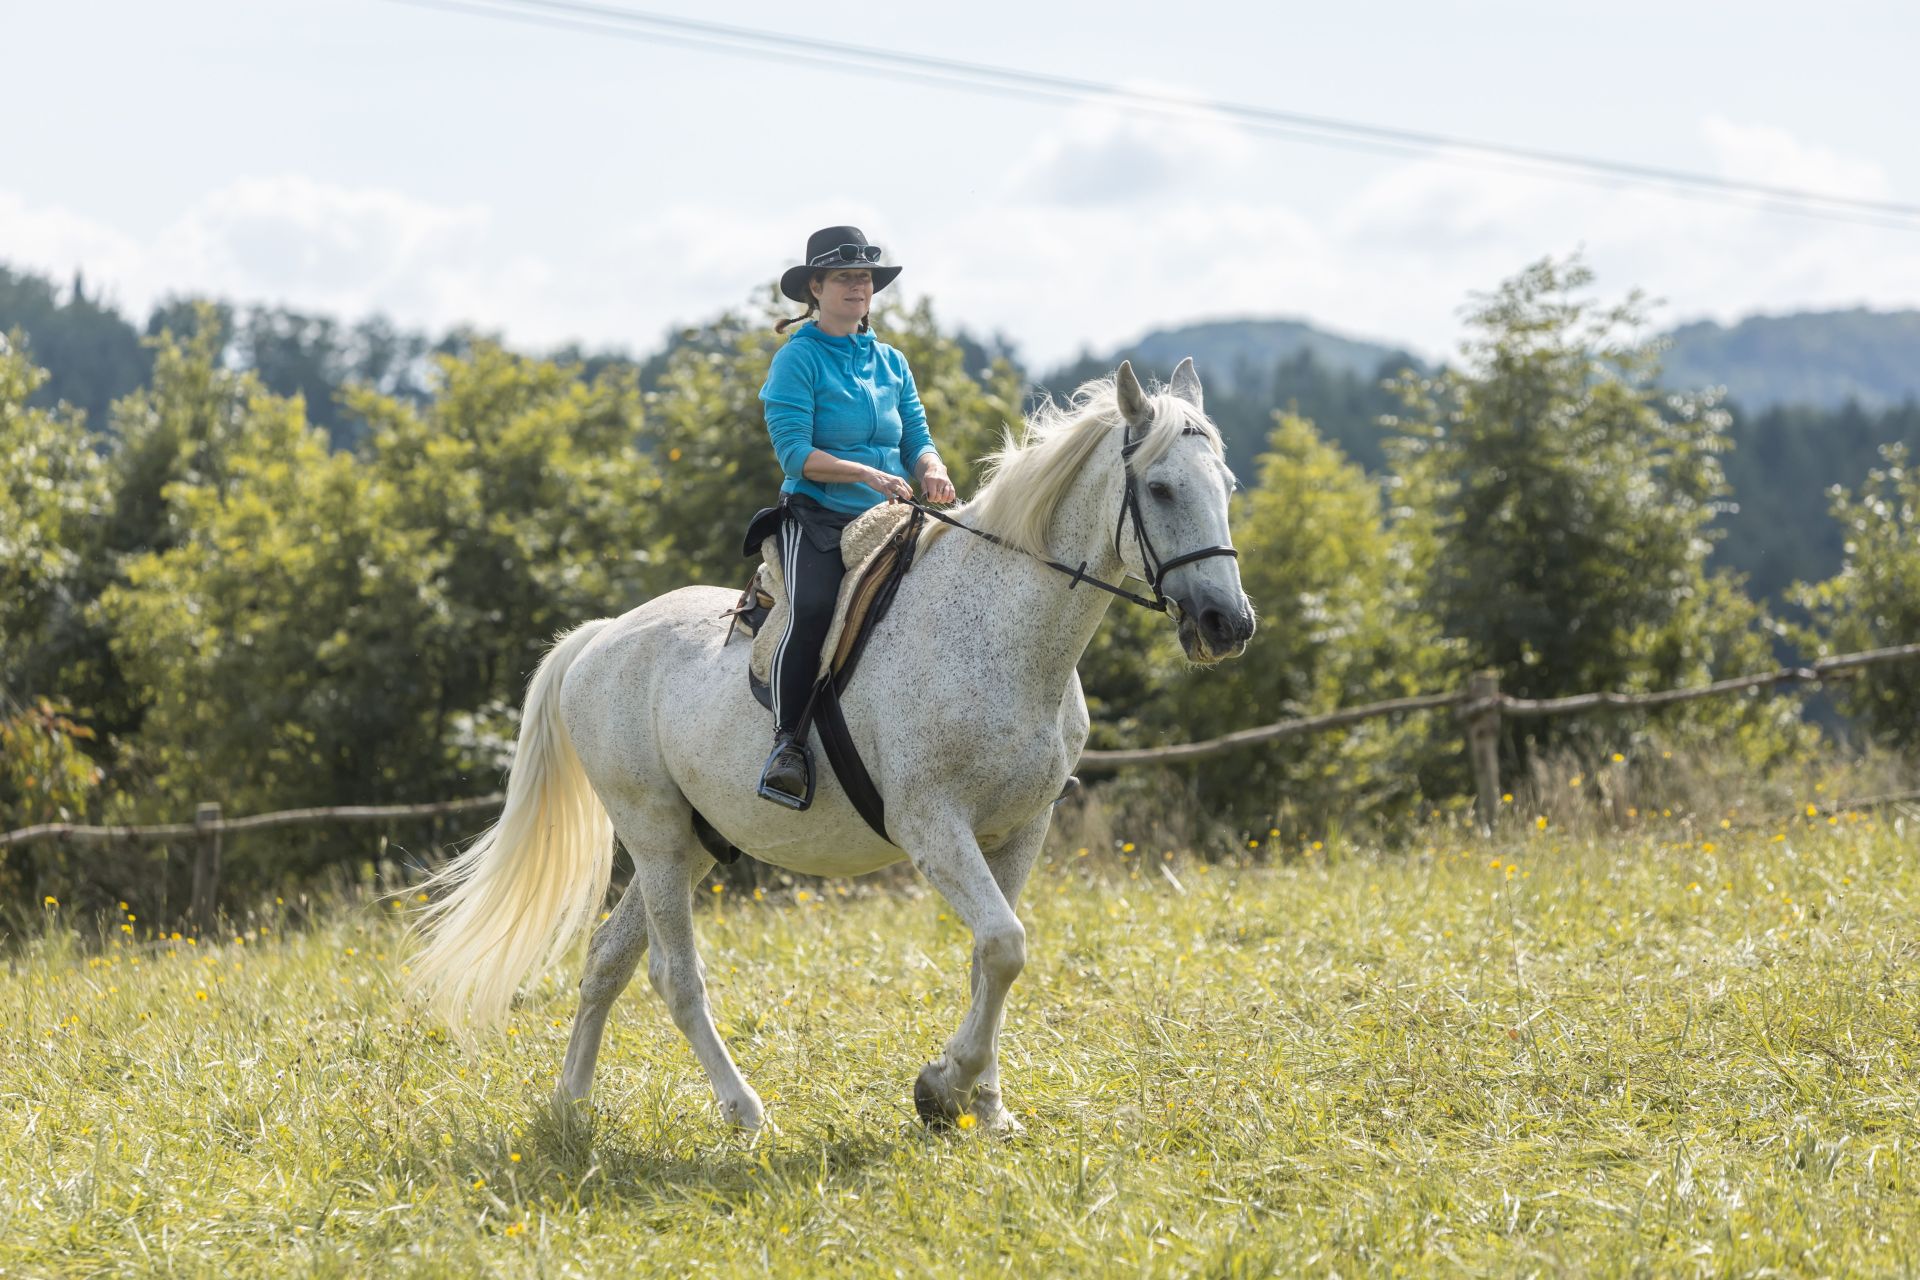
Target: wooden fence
point(1480, 706)
point(208, 827)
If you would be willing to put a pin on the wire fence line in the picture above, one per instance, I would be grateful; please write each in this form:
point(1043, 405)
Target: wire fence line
point(1480, 706)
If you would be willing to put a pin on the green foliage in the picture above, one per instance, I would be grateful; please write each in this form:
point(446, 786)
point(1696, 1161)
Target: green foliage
point(45, 775)
point(51, 499)
point(1783, 466)
point(90, 354)
point(1572, 501)
point(1874, 601)
point(533, 489)
point(277, 639)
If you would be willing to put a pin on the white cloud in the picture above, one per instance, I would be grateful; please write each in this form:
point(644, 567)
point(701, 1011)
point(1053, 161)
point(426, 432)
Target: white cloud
point(57, 241)
point(1774, 157)
point(1101, 157)
point(1195, 221)
point(1398, 257)
point(330, 247)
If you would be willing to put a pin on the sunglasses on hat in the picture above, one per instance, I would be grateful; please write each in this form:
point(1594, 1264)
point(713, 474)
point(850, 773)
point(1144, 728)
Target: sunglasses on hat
point(846, 253)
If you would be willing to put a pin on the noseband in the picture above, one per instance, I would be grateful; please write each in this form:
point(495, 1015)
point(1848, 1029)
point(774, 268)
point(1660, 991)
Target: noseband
point(1156, 568)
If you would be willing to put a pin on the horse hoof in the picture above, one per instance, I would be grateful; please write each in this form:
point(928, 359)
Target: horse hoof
point(993, 1117)
point(930, 1100)
point(743, 1113)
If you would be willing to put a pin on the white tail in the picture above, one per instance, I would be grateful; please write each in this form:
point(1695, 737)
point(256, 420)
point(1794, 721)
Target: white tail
point(514, 901)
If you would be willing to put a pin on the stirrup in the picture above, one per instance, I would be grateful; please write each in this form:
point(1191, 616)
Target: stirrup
point(766, 792)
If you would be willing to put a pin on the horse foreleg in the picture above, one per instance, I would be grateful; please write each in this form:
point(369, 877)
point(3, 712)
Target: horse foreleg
point(954, 865)
point(1010, 864)
point(680, 978)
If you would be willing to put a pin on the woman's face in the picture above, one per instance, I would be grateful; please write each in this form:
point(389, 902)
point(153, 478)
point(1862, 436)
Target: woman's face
point(845, 294)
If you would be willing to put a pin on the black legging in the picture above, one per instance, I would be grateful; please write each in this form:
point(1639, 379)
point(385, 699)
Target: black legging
point(810, 563)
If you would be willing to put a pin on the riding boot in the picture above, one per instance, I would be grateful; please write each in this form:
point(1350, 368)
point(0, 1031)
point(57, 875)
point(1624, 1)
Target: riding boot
point(787, 778)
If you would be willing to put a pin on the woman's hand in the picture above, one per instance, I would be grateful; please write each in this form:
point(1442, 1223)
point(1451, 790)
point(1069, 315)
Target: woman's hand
point(934, 484)
point(895, 489)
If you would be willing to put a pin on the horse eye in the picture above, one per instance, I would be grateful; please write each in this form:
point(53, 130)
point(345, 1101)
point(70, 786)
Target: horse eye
point(1160, 491)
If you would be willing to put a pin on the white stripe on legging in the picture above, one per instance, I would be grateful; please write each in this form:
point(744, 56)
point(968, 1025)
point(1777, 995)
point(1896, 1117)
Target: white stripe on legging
point(789, 563)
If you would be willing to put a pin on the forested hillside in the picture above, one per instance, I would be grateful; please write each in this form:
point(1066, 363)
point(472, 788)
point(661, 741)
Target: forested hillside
point(1817, 359)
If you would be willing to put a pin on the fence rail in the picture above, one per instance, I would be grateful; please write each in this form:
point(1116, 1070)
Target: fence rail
point(254, 822)
point(208, 829)
point(1480, 706)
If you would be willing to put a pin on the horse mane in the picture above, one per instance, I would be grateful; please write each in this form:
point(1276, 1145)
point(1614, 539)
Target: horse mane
point(1026, 479)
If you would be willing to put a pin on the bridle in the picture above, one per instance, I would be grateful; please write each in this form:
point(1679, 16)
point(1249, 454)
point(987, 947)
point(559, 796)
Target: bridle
point(1155, 568)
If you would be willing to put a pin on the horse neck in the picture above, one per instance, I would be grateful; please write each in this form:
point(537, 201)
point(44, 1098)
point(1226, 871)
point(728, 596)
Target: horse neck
point(1043, 620)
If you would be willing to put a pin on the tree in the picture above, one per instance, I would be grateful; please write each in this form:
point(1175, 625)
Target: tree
point(534, 490)
point(90, 354)
point(1874, 600)
point(276, 640)
point(51, 499)
point(1572, 501)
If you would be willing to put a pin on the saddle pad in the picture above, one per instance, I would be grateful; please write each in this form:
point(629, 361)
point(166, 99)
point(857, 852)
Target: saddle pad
point(861, 545)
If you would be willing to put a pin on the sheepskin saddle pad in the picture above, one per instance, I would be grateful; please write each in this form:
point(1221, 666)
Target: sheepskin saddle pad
point(868, 548)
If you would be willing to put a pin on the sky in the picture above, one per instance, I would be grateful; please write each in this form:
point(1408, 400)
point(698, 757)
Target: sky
point(353, 156)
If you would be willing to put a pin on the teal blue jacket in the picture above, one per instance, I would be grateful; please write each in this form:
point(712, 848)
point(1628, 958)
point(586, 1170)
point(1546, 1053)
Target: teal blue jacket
point(852, 397)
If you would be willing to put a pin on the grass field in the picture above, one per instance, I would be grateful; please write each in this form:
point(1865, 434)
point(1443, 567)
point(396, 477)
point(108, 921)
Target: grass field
point(1648, 1054)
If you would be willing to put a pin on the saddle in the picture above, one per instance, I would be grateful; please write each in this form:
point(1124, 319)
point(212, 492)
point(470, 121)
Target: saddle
point(870, 549)
point(877, 549)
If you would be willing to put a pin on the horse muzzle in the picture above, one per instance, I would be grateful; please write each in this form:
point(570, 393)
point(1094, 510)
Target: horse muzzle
point(1213, 630)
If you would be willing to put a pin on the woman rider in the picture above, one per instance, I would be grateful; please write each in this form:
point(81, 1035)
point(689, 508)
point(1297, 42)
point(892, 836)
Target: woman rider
point(848, 429)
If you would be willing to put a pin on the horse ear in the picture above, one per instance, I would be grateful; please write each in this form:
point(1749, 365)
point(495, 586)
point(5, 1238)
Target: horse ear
point(1186, 384)
point(1133, 400)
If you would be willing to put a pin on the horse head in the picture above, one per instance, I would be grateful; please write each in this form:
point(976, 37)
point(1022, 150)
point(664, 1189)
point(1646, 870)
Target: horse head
point(1173, 528)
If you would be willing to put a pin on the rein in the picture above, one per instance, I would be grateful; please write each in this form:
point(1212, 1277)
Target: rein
point(1157, 569)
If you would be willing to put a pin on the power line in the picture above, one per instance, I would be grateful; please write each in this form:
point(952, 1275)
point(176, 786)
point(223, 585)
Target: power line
point(692, 33)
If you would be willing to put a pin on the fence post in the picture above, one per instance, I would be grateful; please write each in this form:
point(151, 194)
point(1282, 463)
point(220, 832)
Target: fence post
point(1483, 744)
point(206, 866)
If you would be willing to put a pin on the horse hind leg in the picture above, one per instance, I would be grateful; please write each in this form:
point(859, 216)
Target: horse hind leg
point(613, 954)
point(615, 949)
point(665, 872)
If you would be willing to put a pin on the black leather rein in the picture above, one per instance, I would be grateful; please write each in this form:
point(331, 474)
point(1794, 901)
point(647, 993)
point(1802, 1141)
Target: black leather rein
point(1156, 568)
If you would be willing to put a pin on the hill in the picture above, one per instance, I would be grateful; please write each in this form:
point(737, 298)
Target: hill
point(1820, 359)
point(1250, 368)
point(1242, 355)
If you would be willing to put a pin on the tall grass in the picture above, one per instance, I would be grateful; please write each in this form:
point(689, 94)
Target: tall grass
point(1668, 1050)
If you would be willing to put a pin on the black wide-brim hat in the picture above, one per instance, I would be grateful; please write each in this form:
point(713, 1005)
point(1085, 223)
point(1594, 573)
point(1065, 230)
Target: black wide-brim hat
point(830, 249)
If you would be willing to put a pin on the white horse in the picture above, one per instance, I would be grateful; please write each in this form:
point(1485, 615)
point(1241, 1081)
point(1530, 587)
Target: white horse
point(967, 710)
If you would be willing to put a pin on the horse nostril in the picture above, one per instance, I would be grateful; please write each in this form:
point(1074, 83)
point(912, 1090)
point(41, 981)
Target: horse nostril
point(1215, 626)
